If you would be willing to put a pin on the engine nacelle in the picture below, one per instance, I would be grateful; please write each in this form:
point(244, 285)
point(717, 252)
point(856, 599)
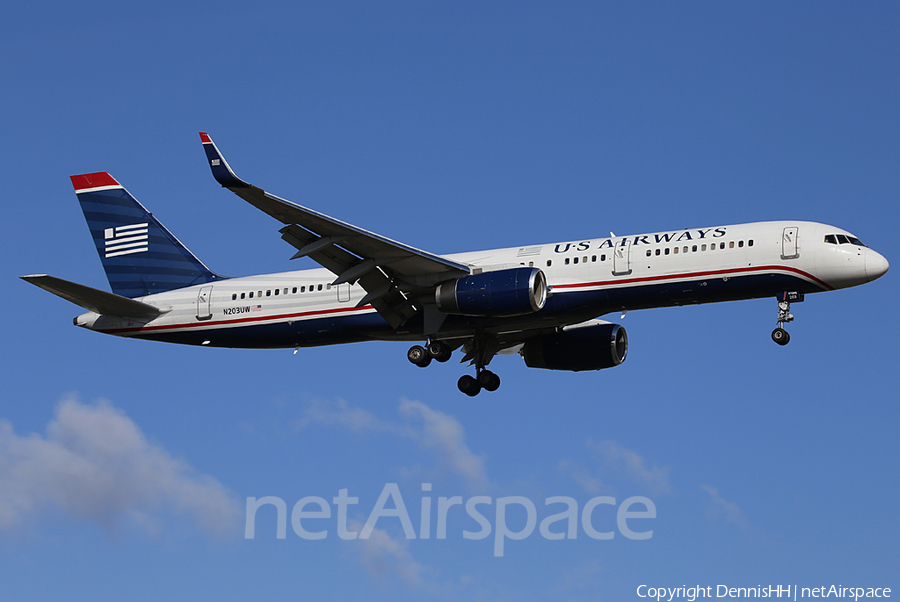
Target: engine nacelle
point(510, 292)
point(586, 348)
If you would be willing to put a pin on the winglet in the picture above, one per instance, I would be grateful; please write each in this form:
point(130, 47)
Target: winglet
point(220, 169)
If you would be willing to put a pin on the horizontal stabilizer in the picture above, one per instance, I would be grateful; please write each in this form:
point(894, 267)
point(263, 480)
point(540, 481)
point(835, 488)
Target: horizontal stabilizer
point(93, 299)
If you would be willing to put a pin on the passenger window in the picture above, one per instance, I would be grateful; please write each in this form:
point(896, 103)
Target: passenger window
point(648, 253)
point(268, 293)
point(567, 261)
point(294, 291)
point(276, 292)
point(576, 260)
point(676, 250)
point(750, 243)
point(549, 262)
point(721, 245)
point(242, 295)
point(603, 257)
point(531, 264)
point(320, 287)
point(594, 258)
point(302, 289)
point(685, 249)
point(703, 247)
point(667, 250)
point(657, 252)
point(731, 245)
point(259, 294)
point(740, 243)
point(694, 249)
point(234, 296)
point(251, 294)
point(584, 259)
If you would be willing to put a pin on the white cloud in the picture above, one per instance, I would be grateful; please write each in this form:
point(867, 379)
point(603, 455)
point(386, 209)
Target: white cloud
point(587, 480)
point(632, 465)
point(720, 508)
point(95, 463)
point(340, 414)
point(435, 432)
point(383, 555)
point(619, 461)
point(444, 435)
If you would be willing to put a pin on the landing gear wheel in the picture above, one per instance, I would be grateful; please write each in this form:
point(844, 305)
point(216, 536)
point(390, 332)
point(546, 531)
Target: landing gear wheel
point(489, 380)
point(781, 336)
point(418, 356)
point(469, 385)
point(439, 351)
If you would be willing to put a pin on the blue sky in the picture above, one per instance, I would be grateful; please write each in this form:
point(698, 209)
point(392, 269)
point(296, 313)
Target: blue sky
point(125, 465)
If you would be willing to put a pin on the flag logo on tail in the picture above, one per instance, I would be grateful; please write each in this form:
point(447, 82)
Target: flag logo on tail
point(124, 240)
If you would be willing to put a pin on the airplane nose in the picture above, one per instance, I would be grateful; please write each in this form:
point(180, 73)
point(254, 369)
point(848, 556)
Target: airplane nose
point(876, 265)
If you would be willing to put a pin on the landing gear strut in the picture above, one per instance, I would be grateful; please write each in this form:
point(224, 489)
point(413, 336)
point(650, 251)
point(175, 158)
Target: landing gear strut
point(478, 350)
point(780, 335)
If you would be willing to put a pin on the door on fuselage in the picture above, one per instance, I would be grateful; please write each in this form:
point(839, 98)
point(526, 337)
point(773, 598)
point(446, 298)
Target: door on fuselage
point(789, 247)
point(204, 303)
point(622, 259)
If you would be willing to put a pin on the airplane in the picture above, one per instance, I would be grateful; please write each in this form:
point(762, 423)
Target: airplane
point(542, 301)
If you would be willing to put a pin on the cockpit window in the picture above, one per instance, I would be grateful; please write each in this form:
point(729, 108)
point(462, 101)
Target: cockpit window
point(841, 239)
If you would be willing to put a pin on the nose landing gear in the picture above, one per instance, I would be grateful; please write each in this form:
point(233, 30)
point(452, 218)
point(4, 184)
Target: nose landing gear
point(780, 335)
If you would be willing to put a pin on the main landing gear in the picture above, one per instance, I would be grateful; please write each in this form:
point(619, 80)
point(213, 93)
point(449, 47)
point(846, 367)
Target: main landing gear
point(780, 335)
point(472, 385)
point(478, 350)
point(433, 350)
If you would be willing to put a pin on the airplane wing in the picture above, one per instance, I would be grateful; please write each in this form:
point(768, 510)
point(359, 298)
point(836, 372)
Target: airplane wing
point(391, 273)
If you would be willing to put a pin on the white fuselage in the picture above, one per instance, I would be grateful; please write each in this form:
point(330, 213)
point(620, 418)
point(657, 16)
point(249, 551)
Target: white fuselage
point(588, 278)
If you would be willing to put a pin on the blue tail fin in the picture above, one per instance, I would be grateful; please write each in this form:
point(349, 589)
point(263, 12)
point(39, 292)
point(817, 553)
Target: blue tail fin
point(140, 256)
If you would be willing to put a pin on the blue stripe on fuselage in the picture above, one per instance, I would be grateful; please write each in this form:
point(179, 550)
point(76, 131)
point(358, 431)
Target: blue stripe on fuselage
point(570, 306)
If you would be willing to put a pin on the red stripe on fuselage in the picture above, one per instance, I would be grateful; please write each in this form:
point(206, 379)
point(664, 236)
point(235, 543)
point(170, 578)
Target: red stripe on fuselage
point(696, 275)
point(555, 286)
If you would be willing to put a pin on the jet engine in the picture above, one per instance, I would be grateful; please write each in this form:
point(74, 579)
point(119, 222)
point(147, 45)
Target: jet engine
point(512, 292)
point(591, 347)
